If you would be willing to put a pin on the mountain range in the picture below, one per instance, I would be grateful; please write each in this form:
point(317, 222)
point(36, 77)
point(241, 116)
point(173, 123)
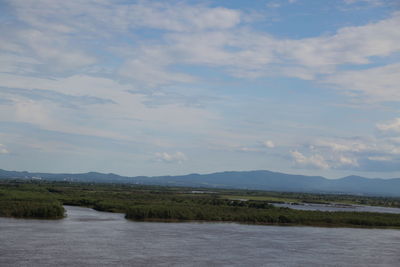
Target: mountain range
point(253, 180)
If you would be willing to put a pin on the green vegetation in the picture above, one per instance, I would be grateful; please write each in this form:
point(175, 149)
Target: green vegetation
point(155, 203)
point(272, 215)
point(25, 201)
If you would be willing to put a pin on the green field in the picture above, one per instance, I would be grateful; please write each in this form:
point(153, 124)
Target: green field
point(155, 203)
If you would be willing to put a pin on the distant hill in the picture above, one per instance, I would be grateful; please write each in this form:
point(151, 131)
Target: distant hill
point(255, 180)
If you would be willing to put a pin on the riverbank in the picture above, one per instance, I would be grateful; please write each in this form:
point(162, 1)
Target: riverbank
point(264, 216)
point(45, 200)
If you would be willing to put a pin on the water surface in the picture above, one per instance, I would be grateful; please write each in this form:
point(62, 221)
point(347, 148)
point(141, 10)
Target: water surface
point(90, 238)
point(338, 207)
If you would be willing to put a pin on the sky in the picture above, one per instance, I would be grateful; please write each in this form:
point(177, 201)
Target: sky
point(176, 87)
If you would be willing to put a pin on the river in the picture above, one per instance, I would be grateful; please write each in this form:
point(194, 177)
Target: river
point(91, 238)
point(337, 207)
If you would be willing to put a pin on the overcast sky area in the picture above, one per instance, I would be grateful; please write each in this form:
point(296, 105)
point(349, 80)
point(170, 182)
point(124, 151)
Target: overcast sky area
point(175, 87)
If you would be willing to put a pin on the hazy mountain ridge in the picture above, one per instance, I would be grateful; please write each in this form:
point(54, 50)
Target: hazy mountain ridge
point(258, 180)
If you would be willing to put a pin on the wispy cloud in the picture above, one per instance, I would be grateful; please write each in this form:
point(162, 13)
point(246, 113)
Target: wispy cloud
point(372, 2)
point(192, 35)
point(177, 157)
point(315, 161)
point(379, 84)
point(181, 76)
point(268, 144)
point(52, 96)
point(3, 149)
point(355, 153)
point(391, 126)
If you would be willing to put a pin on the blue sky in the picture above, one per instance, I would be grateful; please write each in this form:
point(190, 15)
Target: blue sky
point(175, 87)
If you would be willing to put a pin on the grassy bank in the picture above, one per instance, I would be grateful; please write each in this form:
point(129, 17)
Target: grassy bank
point(268, 216)
point(26, 201)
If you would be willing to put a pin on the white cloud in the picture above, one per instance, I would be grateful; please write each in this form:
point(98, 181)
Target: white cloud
point(249, 149)
point(3, 149)
point(392, 126)
point(380, 84)
point(11, 63)
point(372, 2)
point(343, 145)
point(316, 161)
point(63, 36)
point(110, 16)
point(325, 159)
point(66, 39)
point(55, 49)
point(343, 160)
point(121, 119)
point(268, 144)
point(278, 4)
point(60, 35)
point(245, 53)
point(39, 49)
point(49, 116)
point(356, 153)
point(354, 45)
point(380, 158)
point(248, 52)
point(181, 17)
point(273, 5)
point(177, 157)
point(150, 72)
